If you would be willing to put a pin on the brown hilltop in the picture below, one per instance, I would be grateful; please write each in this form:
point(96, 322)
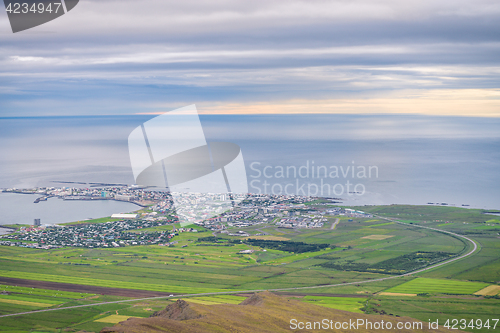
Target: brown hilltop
point(262, 312)
point(180, 310)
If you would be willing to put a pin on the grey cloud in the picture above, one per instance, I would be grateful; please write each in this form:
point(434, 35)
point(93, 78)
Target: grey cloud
point(116, 51)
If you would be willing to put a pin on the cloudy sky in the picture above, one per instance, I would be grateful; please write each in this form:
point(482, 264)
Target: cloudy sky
point(313, 56)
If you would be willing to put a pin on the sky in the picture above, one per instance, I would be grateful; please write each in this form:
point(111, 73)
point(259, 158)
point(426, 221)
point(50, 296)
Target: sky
point(124, 57)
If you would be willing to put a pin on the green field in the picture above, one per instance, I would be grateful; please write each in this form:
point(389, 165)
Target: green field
point(428, 213)
point(198, 267)
point(191, 266)
point(42, 292)
point(30, 299)
point(351, 304)
point(105, 283)
point(74, 320)
point(19, 299)
point(437, 286)
point(89, 221)
point(438, 308)
point(219, 299)
point(113, 319)
point(22, 299)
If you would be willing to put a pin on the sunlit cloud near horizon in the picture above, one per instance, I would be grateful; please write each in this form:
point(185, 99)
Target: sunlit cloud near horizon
point(259, 57)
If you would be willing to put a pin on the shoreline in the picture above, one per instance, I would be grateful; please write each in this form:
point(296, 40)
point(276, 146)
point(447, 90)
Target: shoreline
point(70, 198)
point(11, 222)
point(6, 230)
point(345, 201)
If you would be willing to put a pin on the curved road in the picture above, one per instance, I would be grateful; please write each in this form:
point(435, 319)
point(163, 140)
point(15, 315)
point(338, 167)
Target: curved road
point(281, 289)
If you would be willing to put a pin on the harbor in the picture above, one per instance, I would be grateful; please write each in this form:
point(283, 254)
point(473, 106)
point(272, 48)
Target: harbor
point(21, 209)
point(6, 231)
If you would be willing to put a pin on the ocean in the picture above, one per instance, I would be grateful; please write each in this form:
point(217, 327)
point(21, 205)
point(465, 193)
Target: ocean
point(20, 209)
point(360, 159)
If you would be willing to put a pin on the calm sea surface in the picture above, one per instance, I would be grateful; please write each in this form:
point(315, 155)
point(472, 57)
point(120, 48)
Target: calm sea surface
point(413, 159)
point(4, 231)
point(20, 209)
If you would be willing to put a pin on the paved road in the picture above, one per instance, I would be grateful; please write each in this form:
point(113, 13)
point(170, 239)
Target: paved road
point(281, 289)
point(263, 232)
point(334, 224)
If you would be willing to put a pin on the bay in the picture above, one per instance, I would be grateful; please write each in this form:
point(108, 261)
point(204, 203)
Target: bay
point(20, 209)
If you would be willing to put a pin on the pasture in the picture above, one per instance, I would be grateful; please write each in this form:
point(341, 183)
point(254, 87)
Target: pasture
point(351, 304)
point(191, 266)
point(492, 290)
point(438, 308)
point(113, 319)
point(219, 299)
point(197, 267)
point(438, 286)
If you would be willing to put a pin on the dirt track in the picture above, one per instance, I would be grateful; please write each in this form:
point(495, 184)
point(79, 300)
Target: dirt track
point(81, 288)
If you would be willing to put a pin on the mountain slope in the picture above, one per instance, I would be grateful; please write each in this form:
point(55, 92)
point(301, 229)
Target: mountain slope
point(262, 312)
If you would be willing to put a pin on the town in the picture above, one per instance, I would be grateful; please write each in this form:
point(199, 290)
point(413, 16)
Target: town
point(158, 210)
point(109, 234)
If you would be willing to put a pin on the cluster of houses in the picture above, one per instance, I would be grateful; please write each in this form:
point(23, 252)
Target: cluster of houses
point(134, 194)
point(301, 222)
point(257, 209)
point(98, 235)
point(347, 212)
point(239, 233)
point(283, 211)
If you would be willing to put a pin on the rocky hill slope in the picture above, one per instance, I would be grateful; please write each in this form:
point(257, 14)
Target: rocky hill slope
point(262, 312)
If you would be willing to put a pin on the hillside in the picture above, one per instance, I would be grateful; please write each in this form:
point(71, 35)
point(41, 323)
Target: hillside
point(263, 312)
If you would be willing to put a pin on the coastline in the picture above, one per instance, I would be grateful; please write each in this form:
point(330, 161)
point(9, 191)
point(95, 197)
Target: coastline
point(6, 230)
point(21, 209)
point(70, 198)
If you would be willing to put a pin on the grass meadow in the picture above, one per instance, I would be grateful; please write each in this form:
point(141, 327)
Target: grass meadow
point(192, 266)
point(438, 286)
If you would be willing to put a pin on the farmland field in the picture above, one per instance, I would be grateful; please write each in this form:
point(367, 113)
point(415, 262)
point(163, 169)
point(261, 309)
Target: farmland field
point(199, 266)
point(378, 237)
point(489, 291)
point(219, 299)
point(113, 319)
point(25, 303)
point(351, 304)
point(42, 292)
point(437, 286)
point(438, 308)
point(192, 266)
